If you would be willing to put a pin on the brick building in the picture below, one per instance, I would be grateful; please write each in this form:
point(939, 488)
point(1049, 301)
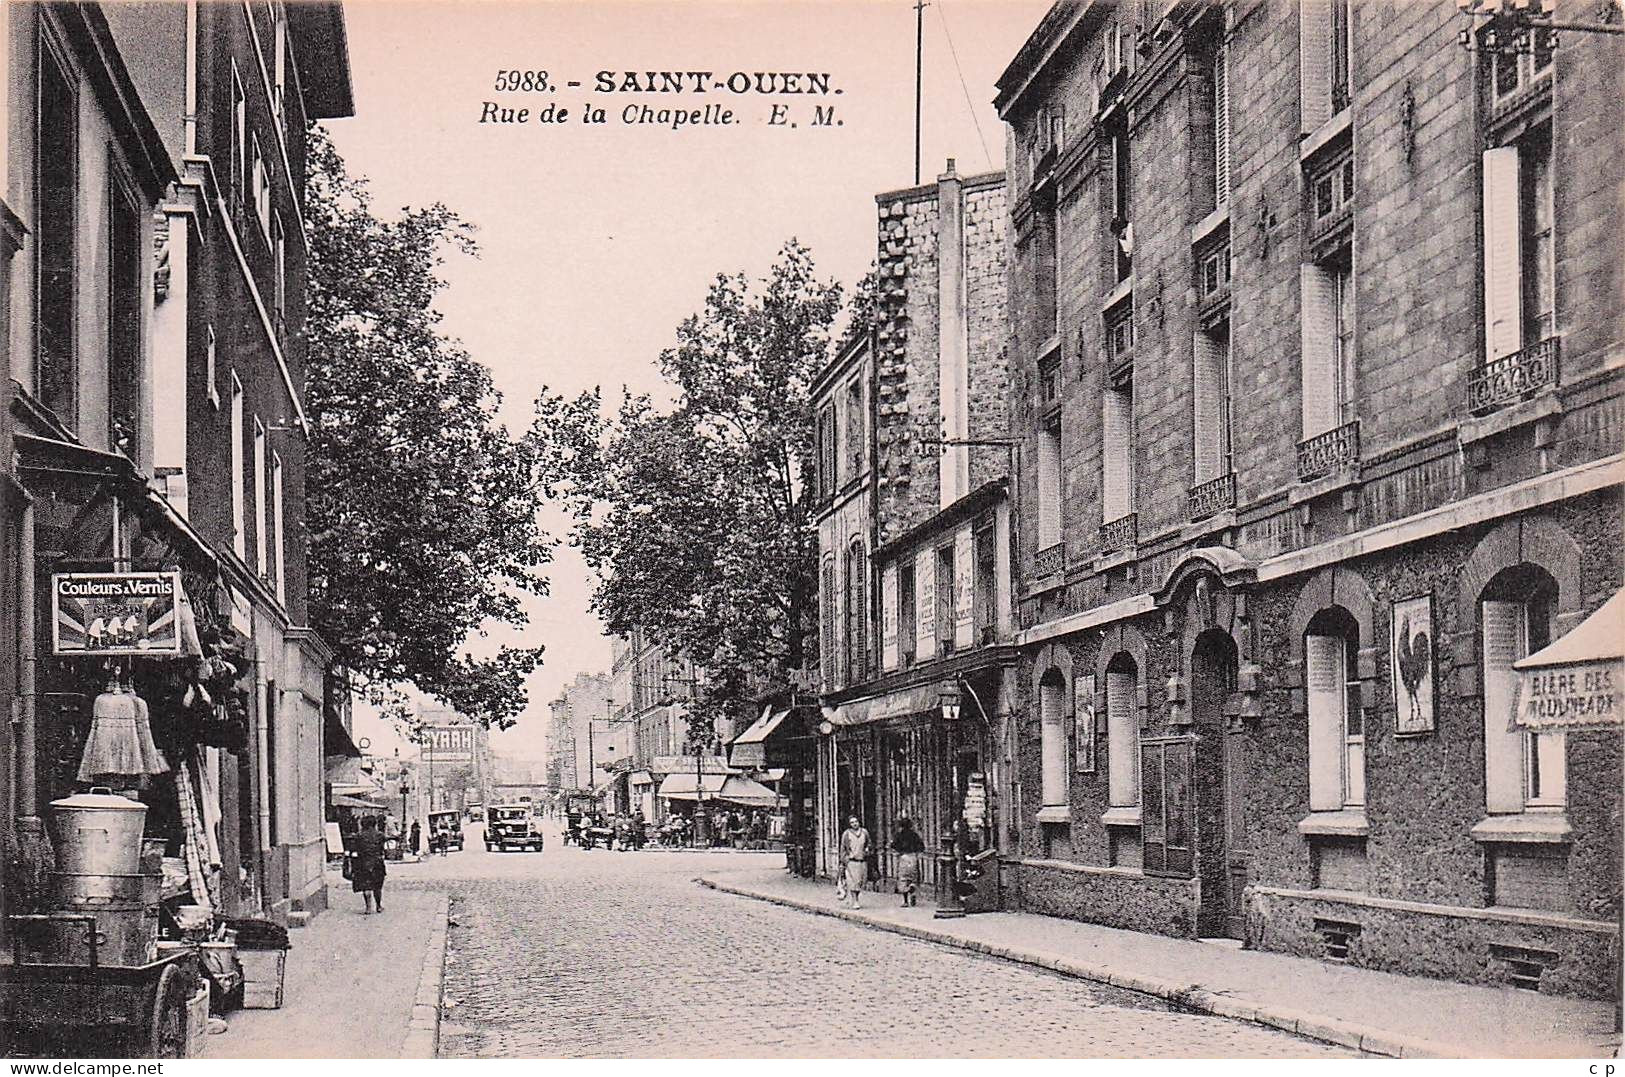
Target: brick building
point(914, 529)
point(1316, 336)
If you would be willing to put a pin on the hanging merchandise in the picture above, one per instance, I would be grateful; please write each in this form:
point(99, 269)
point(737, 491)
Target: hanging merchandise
point(120, 743)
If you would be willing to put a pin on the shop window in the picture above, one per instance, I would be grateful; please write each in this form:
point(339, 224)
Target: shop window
point(1523, 770)
point(1336, 721)
point(1052, 739)
point(56, 167)
point(1122, 732)
point(1168, 810)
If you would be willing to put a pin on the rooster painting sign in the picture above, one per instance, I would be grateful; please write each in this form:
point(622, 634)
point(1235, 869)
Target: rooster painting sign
point(1411, 660)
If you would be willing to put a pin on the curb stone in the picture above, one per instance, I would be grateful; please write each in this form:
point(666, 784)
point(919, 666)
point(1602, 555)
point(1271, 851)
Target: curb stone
point(1192, 998)
point(423, 1034)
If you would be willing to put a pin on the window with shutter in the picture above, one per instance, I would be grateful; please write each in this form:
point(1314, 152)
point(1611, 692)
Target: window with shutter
point(1211, 421)
point(1122, 739)
point(906, 627)
point(855, 430)
point(1049, 484)
point(1221, 126)
point(1344, 365)
point(857, 571)
point(1052, 738)
point(1321, 407)
point(925, 604)
point(1505, 629)
point(945, 600)
point(1324, 665)
point(1503, 257)
point(1117, 423)
point(56, 169)
point(826, 622)
point(1314, 64)
point(1539, 291)
point(889, 622)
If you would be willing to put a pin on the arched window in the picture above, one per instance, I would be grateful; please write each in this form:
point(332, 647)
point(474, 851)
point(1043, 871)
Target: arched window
point(1521, 769)
point(1123, 732)
point(1336, 722)
point(1052, 731)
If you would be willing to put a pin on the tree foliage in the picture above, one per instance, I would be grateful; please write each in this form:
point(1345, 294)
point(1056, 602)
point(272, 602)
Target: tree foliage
point(421, 508)
point(696, 517)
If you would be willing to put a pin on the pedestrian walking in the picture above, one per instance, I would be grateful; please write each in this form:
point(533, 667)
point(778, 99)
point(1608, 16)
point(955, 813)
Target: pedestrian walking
point(854, 847)
point(909, 847)
point(415, 837)
point(367, 865)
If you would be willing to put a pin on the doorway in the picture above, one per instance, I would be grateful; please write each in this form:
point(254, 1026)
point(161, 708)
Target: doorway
point(1222, 862)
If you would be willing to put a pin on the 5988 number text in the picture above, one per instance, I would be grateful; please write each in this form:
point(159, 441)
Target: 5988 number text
point(523, 82)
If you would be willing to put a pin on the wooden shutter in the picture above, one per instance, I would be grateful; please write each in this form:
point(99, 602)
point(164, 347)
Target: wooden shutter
point(1314, 63)
point(925, 605)
point(1116, 421)
point(1049, 486)
point(1318, 291)
point(888, 617)
point(1207, 382)
point(1052, 734)
point(1324, 665)
point(1505, 641)
point(1122, 740)
point(964, 631)
point(1221, 126)
point(1503, 254)
point(826, 618)
point(1153, 823)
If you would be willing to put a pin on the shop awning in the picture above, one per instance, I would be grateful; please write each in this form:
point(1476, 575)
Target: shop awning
point(920, 699)
point(640, 777)
point(336, 740)
point(1576, 682)
point(681, 786)
point(749, 749)
point(356, 789)
point(737, 790)
point(340, 800)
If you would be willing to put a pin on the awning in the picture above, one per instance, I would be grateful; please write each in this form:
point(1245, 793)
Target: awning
point(336, 740)
point(921, 699)
point(678, 764)
point(681, 786)
point(356, 789)
point(1576, 682)
point(749, 749)
point(737, 790)
point(342, 801)
point(640, 777)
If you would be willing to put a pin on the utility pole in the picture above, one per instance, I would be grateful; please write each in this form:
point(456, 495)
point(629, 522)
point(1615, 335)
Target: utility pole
point(919, 66)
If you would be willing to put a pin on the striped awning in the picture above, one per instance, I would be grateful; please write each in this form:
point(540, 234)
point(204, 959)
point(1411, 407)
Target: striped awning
point(921, 699)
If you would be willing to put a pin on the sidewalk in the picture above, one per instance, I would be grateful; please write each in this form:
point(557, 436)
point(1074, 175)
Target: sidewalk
point(356, 986)
point(1377, 1012)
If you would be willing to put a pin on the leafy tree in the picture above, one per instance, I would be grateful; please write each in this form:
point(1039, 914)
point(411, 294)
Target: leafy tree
point(421, 508)
point(697, 517)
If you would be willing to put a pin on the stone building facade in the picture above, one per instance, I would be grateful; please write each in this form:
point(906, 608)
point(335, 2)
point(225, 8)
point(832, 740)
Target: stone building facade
point(914, 532)
point(1316, 330)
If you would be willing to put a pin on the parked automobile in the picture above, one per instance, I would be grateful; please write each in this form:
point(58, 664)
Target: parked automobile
point(511, 826)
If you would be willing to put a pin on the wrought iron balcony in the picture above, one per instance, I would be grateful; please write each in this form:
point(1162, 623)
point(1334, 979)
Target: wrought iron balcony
point(1513, 377)
point(1120, 534)
point(1050, 561)
point(1212, 496)
point(1323, 454)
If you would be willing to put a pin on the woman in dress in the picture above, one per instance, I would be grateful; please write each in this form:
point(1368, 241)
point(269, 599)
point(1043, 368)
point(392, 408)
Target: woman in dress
point(367, 865)
point(908, 845)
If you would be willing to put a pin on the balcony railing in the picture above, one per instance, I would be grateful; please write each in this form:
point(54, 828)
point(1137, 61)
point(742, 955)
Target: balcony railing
point(1212, 496)
point(1323, 454)
point(1050, 561)
point(1512, 377)
point(1120, 534)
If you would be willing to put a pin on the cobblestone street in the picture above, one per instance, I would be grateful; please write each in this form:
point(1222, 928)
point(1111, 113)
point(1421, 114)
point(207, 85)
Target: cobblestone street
point(598, 953)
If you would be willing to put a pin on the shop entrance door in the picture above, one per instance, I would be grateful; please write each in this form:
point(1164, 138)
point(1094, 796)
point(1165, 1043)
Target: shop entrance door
point(1221, 861)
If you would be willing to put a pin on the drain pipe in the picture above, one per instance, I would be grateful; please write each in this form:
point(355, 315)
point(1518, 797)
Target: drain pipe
point(30, 828)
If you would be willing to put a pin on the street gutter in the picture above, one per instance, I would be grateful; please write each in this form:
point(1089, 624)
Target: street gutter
point(423, 1034)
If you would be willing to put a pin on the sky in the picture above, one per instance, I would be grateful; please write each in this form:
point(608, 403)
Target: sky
point(597, 240)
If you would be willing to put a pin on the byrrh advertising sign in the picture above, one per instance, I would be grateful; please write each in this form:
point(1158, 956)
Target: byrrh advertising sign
point(449, 743)
point(115, 613)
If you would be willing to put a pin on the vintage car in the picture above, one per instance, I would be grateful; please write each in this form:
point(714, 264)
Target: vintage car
point(446, 830)
point(511, 826)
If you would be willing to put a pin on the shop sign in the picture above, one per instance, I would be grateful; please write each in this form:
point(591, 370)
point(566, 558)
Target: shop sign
point(1581, 696)
point(449, 744)
point(115, 613)
point(976, 800)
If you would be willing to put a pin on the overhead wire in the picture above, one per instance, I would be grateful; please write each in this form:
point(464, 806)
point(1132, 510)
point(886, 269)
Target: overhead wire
point(952, 51)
